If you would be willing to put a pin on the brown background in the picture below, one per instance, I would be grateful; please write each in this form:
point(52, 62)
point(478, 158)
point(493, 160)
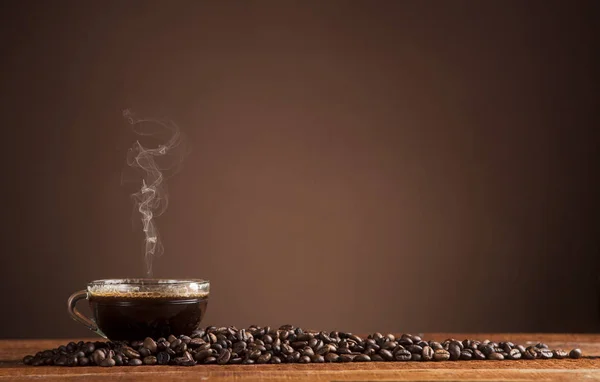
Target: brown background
point(376, 165)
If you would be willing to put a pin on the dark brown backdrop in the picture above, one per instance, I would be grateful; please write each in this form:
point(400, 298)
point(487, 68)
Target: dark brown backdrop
point(390, 165)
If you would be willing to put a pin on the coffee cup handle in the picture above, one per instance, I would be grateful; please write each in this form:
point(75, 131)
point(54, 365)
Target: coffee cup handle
point(76, 314)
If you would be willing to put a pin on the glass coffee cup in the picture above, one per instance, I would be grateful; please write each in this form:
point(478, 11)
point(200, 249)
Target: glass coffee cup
point(133, 309)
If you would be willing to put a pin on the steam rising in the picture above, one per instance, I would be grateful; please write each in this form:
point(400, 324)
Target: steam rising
point(154, 164)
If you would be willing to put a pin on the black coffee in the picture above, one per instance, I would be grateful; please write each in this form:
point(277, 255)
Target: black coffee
point(134, 317)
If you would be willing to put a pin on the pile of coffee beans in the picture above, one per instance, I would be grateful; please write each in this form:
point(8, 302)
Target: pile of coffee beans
point(288, 344)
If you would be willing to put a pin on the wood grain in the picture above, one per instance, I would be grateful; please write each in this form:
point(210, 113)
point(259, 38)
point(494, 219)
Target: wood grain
point(587, 368)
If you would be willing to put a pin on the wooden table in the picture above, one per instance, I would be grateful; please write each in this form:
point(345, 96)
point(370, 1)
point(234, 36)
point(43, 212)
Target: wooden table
point(584, 369)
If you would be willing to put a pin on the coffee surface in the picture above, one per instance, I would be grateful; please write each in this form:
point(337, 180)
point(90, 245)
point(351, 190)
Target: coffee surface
point(126, 316)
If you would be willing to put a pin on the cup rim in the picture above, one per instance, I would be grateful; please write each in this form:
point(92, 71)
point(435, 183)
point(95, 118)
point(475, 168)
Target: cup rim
point(148, 287)
point(148, 282)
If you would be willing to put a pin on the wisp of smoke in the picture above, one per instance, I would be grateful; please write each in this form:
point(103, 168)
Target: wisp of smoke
point(155, 164)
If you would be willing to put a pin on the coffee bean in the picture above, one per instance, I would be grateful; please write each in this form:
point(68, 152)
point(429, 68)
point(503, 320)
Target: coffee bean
point(83, 361)
point(97, 356)
point(331, 357)
point(294, 357)
point(212, 338)
point(304, 337)
point(344, 351)
point(185, 360)
point(514, 354)
point(304, 359)
point(299, 344)
point(129, 352)
point(316, 344)
point(487, 349)
point(37, 362)
point(560, 354)
point(59, 361)
point(346, 358)
point(182, 348)
point(466, 355)
point(416, 357)
point(357, 348)
point(118, 359)
point(427, 353)
point(530, 353)
point(454, 351)
point(163, 358)
point(202, 354)
point(107, 362)
point(575, 353)
point(541, 345)
point(50, 361)
point(286, 349)
point(402, 355)
point(362, 358)
point(136, 344)
point(27, 359)
point(47, 354)
point(545, 353)
point(414, 349)
point(134, 362)
point(150, 360)
point(441, 355)
point(209, 360)
point(264, 358)
point(150, 344)
point(144, 352)
point(495, 356)
point(386, 355)
point(195, 342)
point(254, 354)
point(308, 351)
point(240, 346)
point(325, 349)
point(72, 361)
